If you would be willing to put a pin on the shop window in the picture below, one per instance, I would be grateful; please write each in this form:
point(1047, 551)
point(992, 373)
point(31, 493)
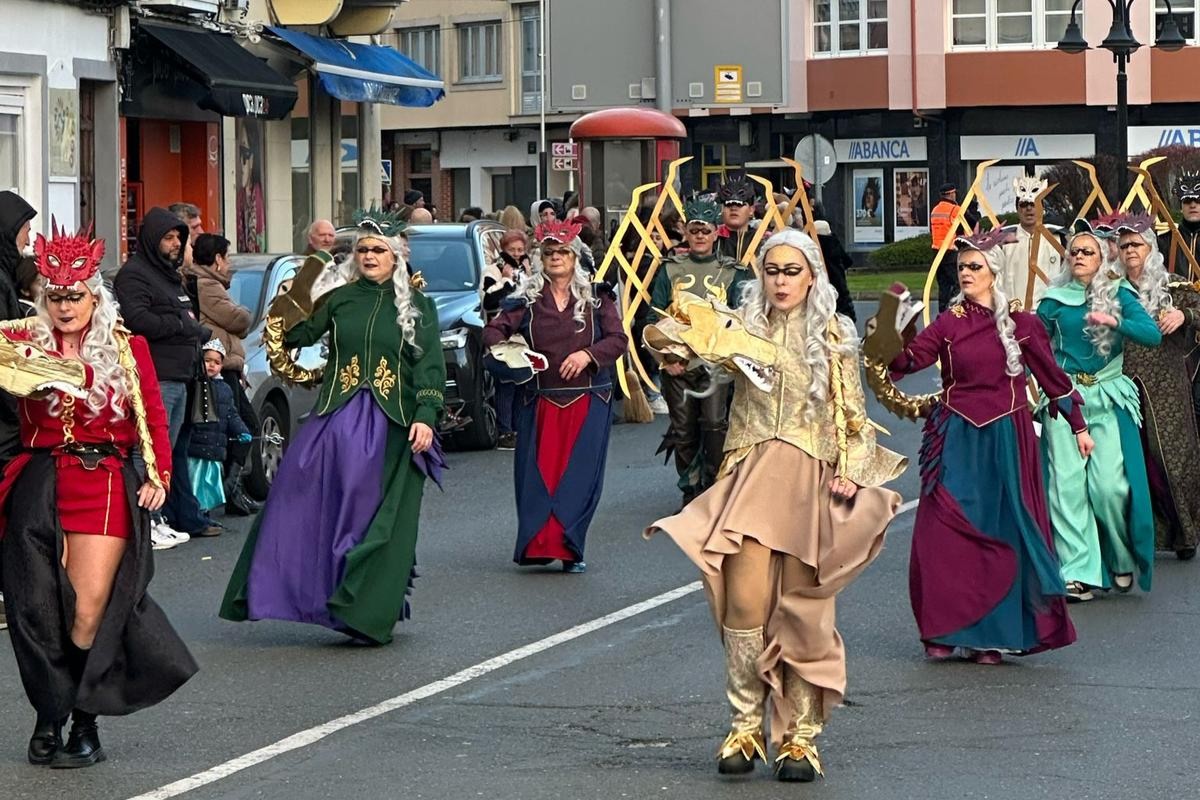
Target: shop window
point(302, 215)
point(849, 27)
point(531, 40)
point(422, 45)
point(1185, 12)
point(479, 53)
point(1008, 24)
point(11, 106)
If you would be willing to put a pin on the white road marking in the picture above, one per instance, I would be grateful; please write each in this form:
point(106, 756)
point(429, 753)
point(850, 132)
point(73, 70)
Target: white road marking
point(313, 735)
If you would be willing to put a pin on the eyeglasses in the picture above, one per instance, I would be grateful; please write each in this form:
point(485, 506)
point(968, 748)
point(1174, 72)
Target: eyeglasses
point(791, 272)
point(1025, 204)
point(246, 153)
point(550, 252)
point(1086, 252)
point(969, 265)
point(377, 250)
point(1132, 246)
point(698, 231)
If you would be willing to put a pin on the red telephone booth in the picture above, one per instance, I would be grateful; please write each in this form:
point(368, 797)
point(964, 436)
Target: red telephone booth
point(622, 148)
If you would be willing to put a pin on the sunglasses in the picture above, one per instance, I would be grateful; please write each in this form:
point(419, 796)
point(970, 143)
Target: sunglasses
point(1131, 246)
point(696, 231)
point(550, 252)
point(1086, 252)
point(969, 265)
point(377, 250)
point(791, 272)
point(246, 153)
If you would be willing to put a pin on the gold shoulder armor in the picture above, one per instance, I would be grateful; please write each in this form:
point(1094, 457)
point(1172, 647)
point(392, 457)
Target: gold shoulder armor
point(280, 359)
point(417, 281)
point(1015, 305)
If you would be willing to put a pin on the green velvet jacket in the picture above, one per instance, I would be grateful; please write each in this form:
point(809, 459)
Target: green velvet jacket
point(366, 350)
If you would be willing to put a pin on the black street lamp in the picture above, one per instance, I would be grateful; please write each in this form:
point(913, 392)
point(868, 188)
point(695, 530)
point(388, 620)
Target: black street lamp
point(1122, 45)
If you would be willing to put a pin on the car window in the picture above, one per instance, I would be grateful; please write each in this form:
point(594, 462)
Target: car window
point(246, 288)
point(491, 246)
point(281, 278)
point(448, 265)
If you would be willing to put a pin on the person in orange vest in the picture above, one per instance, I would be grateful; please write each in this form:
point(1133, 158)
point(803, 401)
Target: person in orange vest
point(941, 220)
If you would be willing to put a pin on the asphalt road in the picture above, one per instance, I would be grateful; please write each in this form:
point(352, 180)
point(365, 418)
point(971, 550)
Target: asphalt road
point(628, 707)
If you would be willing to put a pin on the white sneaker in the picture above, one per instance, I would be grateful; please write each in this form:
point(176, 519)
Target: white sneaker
point(659, 406)
point(164, 537)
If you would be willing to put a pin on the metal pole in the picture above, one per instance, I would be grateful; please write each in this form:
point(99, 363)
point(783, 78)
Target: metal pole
point(1122, 127)
point(543, 180)
point(662, 24)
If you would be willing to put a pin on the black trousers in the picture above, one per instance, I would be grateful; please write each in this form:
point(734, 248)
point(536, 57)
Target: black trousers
point(697, 428)
point(238, 452)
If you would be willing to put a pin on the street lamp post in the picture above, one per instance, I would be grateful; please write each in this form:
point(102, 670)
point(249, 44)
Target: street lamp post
point(1121, 43)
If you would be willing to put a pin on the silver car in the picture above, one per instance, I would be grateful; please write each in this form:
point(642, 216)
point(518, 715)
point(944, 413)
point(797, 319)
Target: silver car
point(280, 407)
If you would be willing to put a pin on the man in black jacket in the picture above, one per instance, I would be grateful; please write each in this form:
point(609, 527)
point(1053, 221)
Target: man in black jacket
point(155, 303)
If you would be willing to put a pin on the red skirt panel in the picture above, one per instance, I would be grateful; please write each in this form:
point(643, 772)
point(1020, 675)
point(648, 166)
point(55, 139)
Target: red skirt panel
point(90, 501)
point(557, 430)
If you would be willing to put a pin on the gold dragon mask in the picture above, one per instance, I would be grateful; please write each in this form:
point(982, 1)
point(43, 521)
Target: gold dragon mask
point(26, 369)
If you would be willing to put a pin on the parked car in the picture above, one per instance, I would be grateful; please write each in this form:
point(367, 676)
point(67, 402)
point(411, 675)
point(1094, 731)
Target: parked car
point(450, 258)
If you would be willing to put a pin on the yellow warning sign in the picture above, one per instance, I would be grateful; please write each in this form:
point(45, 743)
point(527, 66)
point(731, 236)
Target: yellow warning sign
point(727, 83)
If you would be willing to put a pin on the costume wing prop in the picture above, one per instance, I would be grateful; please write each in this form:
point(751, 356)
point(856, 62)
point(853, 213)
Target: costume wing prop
point(296, 304)
point(26, 369)
point(886, 334)
point(512, 361)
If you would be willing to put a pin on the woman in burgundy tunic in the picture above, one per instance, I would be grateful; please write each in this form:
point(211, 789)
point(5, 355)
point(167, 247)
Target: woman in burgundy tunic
point(75, 514)
point(983, 574)
point(564, 413)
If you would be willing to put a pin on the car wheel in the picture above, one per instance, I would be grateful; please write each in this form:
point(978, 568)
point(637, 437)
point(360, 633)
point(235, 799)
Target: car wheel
point(483, 431)
point(265, 459)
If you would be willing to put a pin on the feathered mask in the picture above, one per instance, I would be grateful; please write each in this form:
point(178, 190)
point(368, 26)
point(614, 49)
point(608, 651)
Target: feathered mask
point(1103, 226)
point(1133, 223)
point(738, 189)
point(984, 241)
point(66, 259)
point(561, 231)
point(700, 209)
point(1187, 186)
point(1028, 188)
point(378, 221)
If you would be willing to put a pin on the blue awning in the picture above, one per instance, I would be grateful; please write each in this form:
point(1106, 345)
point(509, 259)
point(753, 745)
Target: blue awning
point(364, 73)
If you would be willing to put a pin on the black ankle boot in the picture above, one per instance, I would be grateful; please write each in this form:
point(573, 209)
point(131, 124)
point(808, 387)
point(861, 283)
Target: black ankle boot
point(237, 502)
point(46, 741)
point(83, 745)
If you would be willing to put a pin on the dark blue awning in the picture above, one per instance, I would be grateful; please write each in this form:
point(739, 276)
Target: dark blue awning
point(364, 73)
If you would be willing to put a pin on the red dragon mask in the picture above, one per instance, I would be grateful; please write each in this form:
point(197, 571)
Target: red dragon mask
point(66, 259)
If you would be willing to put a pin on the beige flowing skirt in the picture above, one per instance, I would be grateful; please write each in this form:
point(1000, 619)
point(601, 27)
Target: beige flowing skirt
point(779, 496)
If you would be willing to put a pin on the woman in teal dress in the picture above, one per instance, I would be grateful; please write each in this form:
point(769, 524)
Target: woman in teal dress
point(335, 544)
point(1099, 506)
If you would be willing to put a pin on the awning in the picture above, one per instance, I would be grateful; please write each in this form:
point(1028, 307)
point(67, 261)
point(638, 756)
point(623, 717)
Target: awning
point(363, 73)
point(774, 163)
point(237, 83)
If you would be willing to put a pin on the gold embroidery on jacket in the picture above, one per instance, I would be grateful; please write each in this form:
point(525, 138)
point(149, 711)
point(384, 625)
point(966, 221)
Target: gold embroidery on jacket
point(349, 375)
point(385, 379)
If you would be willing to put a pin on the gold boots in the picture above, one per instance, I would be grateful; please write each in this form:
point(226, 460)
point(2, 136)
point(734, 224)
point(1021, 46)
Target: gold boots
point(798, 760)
point(747, 694)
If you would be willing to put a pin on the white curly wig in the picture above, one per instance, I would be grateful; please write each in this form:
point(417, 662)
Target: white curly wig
point(1101, 292)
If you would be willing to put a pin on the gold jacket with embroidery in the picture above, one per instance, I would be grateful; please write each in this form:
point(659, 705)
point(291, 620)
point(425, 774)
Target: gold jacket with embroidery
point(367, 351)
point(757, 416)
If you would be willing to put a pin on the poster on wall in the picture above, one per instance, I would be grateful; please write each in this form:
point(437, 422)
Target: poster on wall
point(869, 206)
point(911, 203)
point(998, 188)
point(251, 209)
point(64, 139)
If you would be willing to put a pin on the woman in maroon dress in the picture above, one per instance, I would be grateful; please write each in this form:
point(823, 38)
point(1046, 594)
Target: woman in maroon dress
point(76, 558)
point(563, 413)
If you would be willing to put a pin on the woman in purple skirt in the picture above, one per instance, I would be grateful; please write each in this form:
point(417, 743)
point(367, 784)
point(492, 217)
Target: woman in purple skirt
point(336, 542)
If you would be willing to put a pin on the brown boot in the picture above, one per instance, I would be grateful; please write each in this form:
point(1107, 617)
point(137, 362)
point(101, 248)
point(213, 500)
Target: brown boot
point(748, 695)
point(798, 760)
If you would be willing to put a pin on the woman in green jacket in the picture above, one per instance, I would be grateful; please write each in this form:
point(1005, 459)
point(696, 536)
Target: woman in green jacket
point(338, 534)
point(1099, 506)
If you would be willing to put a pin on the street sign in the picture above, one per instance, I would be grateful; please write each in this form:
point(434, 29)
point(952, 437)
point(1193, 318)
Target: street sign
point(563, 164)
point(386, 171)
point(816, 155)
point(564, 150)
point(727, 86)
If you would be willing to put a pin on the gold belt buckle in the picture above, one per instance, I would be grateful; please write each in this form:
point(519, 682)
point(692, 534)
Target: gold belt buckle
point(1085, 379)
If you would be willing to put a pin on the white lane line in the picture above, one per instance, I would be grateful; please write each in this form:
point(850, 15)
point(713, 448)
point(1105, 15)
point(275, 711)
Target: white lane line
point(313, 735)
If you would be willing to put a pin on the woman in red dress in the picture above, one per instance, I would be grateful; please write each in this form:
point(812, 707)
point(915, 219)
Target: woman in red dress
point(75, 556)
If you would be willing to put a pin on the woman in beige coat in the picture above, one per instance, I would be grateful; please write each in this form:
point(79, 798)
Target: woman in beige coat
point(229, 322)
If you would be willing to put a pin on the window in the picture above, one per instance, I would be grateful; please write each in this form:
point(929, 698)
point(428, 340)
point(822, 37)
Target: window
point(849, 27)
point(422, 45)
point(1002, 24)
point(531, 40)
point(1185, 17)
point(479, 53)
point(11, 106)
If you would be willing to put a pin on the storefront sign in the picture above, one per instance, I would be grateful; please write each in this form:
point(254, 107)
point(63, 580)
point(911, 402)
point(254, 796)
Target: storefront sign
point(727, 84)
point(385, 171)
point(1028, 147)
point(869, 206)
point(896, 148)
point(1149, 137)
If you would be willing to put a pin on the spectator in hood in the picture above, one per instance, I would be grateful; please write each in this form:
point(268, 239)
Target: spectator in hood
point(156, 304)
point(15, 216)
point(837, 263)
point(542, 211)
point(414, 198)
